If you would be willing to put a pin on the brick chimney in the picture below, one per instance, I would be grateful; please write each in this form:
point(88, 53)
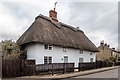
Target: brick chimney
point(53, 15)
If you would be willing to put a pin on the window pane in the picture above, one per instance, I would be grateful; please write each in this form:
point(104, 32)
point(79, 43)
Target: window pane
point(45, 46)
point(50, 59)
point(50, 47)
point(65, 59)
point(45, 60)
point(90, 53)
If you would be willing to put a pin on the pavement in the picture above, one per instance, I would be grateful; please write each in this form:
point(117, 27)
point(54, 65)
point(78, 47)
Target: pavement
point(69, 75)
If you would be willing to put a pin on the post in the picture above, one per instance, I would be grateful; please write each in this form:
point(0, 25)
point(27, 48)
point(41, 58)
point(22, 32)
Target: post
point(52, 70)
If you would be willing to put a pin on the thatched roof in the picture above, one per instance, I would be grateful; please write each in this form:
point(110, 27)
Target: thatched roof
point(46, 31)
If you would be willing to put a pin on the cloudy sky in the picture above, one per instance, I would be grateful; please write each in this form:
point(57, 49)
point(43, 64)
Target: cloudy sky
point(98, 20)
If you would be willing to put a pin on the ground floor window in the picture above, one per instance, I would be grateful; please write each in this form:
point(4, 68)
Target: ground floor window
point(91, 59)
point(47, 59)
point(80, 60)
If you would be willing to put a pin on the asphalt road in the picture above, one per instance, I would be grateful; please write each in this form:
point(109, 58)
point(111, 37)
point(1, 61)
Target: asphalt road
point(106, 74)
point(111, 74)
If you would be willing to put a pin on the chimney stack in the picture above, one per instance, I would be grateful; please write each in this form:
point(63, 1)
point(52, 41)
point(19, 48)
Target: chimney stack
point(102, 43)
point(53, 14)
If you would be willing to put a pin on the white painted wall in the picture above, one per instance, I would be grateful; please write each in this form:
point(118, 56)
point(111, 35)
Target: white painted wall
point(37, 52)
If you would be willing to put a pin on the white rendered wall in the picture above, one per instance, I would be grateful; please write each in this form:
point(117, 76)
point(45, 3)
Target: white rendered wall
point(37, 52)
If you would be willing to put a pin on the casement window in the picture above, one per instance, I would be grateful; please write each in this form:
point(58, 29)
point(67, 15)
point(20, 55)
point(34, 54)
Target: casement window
point(48, 47)
point(91, 59)
point(64, 49)
point(80, 60)
point(47, 59)
point(91, 53)
point(81, 51)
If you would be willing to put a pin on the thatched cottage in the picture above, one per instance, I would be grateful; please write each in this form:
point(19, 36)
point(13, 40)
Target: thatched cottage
point(49, 41)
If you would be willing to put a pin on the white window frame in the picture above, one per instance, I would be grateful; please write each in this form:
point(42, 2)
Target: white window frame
point(48, 47)
point(48, 59)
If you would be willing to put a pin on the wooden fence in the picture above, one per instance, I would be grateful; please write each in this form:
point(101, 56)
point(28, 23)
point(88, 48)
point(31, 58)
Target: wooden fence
point(94, 65)
point(86, 66)
point(16, 67)
point(54, 68)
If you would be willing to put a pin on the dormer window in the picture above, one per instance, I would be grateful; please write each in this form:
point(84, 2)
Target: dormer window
point(48, 47)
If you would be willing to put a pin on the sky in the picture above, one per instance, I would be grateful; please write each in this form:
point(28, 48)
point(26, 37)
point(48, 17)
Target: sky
point(98, 20)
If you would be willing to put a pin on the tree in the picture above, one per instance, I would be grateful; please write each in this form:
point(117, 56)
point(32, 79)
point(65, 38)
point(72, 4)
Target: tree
point(10, 50)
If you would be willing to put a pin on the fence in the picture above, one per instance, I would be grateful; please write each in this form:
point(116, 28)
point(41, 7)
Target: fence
point(16, 67)
point(94, 65)
point(54, 68)
point(86, 66)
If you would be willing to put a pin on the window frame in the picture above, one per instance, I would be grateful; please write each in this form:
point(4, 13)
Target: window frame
point(81, 51)
point(47, 59)
point(48, 47)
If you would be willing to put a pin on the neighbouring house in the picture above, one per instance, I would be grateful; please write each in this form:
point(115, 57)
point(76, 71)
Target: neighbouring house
point(105, 52)
point(49, 41)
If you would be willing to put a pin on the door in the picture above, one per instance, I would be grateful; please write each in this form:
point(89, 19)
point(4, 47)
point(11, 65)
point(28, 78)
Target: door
point(65, 59)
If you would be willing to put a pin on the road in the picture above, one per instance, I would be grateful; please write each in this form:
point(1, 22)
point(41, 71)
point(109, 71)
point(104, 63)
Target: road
point(106, 74)
point(111, 74)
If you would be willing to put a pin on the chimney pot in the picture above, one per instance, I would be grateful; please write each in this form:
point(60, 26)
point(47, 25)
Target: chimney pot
point(113, 48)
point(102, 43)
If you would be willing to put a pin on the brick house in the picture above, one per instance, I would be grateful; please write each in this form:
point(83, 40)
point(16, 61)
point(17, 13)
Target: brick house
point(105, 52)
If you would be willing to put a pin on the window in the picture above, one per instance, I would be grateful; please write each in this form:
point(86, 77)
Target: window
point(91, 53)
point(65, 59)
point(47, 59)
point(47, 47)
point(80, 60)
point(81, 51)
point(64, 49)
point(91, 59)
